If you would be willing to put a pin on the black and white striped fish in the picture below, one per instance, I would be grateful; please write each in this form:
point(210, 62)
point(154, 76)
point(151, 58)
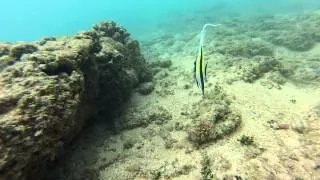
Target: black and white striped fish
point(200, 70)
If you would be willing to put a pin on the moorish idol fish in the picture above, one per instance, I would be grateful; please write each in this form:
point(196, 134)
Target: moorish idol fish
point(200, 67)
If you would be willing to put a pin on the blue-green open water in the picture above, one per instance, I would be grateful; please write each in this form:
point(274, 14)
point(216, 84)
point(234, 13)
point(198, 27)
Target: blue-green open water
point(27, 20)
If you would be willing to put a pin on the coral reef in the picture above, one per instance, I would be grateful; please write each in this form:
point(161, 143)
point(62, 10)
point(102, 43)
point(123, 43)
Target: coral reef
point(269, 36)
point(246, 48)
point(296, 40)
point(256, 68)
point(224, 120)
point(295, 33)
point(51, 88)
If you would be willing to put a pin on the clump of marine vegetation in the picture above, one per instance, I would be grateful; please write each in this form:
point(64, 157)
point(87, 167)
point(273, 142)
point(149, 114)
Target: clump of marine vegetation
point(206, 171)
point(51, 88)
point(214, 163)
point(246, 140)
point(219, 119)
point(254, 69)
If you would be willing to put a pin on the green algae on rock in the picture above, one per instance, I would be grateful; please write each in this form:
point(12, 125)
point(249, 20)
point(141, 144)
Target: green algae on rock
point(50, 89)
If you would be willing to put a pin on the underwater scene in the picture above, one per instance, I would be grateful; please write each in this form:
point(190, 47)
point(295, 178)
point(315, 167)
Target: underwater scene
point(160, 90)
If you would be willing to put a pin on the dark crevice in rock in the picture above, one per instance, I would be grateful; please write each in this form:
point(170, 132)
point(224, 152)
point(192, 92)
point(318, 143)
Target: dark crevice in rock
point(7, 166)
point(53, 70)
point(6, 105)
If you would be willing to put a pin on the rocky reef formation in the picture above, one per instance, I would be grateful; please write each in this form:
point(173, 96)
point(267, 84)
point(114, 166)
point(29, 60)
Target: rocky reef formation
point(51, 88)
point(293, 40)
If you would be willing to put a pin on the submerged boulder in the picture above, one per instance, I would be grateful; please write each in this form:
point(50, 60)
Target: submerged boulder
point(50, 89)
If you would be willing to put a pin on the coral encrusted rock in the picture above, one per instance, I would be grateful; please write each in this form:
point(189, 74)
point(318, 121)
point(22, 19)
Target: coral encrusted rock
point(50, 89)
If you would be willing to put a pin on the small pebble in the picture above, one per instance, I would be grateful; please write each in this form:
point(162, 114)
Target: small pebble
point(282, 126)
point(316, 165)
point(277, 126)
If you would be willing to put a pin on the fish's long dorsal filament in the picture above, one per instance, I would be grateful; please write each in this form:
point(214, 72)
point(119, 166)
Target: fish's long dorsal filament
point(203, 32)
point(200, 67)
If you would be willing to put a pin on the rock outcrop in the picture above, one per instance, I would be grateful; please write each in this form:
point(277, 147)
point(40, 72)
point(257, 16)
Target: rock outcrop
point(51, 88)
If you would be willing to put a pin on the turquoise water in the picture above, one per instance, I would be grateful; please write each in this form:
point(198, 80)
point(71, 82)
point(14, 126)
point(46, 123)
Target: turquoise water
point(26, 20)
